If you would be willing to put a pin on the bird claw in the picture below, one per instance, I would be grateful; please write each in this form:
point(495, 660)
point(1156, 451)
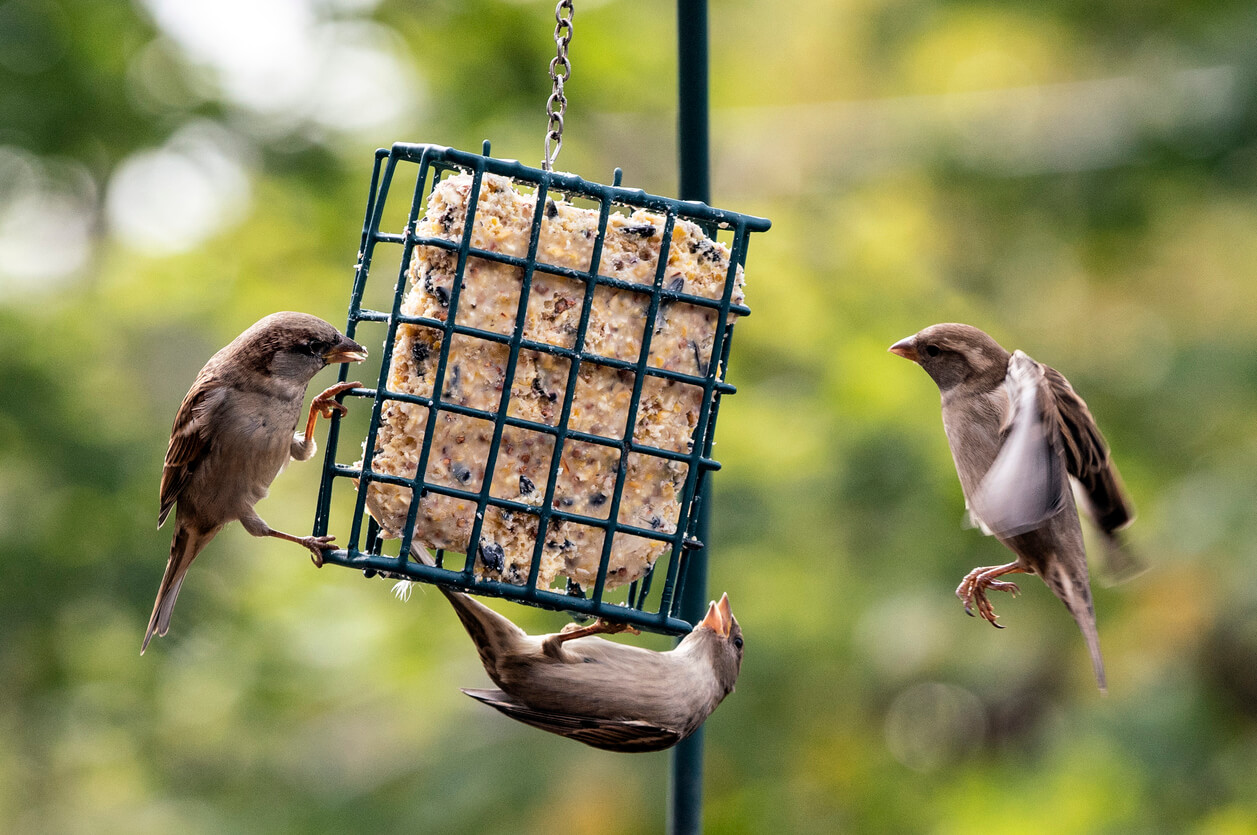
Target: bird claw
point(325, 401)
point(332, 408)
point(973, 588)
point(317, 544)
point(1001, 585)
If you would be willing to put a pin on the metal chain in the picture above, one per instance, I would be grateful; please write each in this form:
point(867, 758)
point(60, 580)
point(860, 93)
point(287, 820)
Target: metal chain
point(560, 71)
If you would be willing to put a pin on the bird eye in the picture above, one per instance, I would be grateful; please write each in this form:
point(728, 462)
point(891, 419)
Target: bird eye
point(737, 642)
point(316, 347)
point(932, 350)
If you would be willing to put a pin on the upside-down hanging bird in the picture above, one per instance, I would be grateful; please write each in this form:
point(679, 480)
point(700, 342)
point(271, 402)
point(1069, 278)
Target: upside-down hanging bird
point(605, 694)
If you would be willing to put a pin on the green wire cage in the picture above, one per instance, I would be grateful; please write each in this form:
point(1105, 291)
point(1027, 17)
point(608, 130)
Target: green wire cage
point(649, 603)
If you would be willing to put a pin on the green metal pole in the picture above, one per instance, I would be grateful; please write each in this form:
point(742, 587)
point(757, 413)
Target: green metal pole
point(692, 127)
point(685, 790)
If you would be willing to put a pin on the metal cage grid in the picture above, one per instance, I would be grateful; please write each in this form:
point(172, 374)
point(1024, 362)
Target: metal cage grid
point(433, 162)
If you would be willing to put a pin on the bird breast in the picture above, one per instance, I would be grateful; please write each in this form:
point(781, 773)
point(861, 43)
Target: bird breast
point(251, 444)
point(972, 423)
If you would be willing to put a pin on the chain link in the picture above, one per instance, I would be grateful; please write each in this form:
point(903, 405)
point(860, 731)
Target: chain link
point(560, 71)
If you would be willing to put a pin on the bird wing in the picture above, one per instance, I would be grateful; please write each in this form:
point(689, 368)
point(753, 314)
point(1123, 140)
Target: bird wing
point(189, 441)
point(1026, 483)
point(1087, 456)
point(622, 735)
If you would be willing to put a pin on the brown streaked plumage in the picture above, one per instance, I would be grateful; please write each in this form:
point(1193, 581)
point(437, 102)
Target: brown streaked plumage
point(1018, 433)
point(234, 433)
point(604, 694)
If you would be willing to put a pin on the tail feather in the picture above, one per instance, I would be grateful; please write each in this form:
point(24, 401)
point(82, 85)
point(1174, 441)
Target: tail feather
point(1075, 593)
point(183, 550)
point(495, 636)
point(1092, 636)
point(167, 605)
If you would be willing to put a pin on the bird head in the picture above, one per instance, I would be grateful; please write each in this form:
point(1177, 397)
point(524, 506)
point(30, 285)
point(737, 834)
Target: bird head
point(296, 346)
point(721, 636)
point(953, 354)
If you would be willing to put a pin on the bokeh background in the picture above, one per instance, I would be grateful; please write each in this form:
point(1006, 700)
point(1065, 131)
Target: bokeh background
point(1077, 178)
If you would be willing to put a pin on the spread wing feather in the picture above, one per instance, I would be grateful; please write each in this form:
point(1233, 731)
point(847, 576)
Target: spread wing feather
point(1026, 484)
point(1087, 457)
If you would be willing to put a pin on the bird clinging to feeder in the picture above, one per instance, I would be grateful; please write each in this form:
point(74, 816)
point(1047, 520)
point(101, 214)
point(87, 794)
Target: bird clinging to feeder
point(234, 433)
point(604, 694)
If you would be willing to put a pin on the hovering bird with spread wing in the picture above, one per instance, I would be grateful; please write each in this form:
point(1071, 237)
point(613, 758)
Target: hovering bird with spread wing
point(1018, 434)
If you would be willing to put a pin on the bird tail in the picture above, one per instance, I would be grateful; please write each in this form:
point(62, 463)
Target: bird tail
point(183, 550)
point(1077, 598)
point(1088, 627)
point(489, 631)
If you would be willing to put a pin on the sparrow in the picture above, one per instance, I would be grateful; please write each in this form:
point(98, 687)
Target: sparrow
point(234, 433)
point(1018, 435)
point(607, 695)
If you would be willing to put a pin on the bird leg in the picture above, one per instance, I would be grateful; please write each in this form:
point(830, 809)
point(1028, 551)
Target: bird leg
point(324, 404)
point(551, 645)
point(256, 526)
point(972, 589)
point(316, 544)
point(598, 627)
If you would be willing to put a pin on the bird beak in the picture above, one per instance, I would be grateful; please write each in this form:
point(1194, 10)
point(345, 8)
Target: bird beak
point(719, 617)
point(906, 348)
point(345, 351)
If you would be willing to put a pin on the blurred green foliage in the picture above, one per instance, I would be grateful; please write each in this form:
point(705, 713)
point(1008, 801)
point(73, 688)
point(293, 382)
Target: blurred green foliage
point(1079, 179)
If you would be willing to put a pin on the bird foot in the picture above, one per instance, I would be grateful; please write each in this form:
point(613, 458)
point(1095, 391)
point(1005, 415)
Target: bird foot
point(325, 401)
point(317, 545)
point(323, 404)
point(973, 588)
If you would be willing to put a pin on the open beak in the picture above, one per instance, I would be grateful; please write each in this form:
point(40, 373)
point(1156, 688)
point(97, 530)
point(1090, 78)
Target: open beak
point(345, 351)
point(719, 617)
point(906, 348)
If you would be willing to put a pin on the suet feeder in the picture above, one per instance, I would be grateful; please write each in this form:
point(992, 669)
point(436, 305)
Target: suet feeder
point(542, 497)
